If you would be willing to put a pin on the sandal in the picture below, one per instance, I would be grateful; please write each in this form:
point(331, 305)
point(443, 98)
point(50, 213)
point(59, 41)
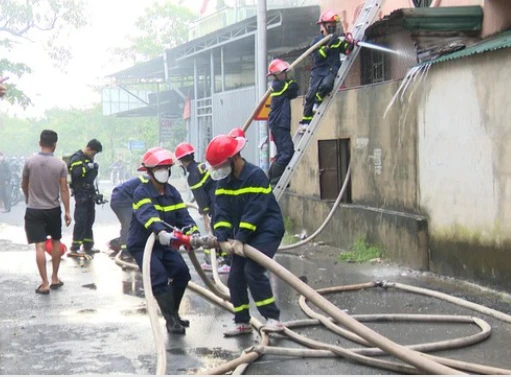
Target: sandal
point(57, 285)
point(42, 291)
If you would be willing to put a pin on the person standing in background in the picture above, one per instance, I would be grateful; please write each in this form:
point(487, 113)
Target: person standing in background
point(44, 181)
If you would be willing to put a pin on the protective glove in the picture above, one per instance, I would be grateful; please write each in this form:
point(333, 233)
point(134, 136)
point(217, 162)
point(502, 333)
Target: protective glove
point(92, 165)
point(350, 45)
point(226, 247)
point(165, 238)
point(237, 247)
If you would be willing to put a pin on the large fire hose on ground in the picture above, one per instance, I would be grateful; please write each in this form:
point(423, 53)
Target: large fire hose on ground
point(420, 362)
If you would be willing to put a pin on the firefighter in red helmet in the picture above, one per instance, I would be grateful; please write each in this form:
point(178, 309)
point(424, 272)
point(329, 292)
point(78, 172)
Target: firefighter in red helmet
point(203, 190)
point(283, 90)
point(246, 212)
point(156, 202)
point(326, 64)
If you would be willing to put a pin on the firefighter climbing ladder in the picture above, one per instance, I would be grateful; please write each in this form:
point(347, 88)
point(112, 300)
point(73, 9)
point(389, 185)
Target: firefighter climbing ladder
point(367, 15)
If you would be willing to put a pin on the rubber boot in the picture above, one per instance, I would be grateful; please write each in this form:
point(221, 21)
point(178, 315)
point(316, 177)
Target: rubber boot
point(178, 296)
point(275, 172)
point(166, 303)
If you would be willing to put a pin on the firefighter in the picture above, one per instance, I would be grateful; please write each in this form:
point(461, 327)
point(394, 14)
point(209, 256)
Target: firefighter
point(156, 202)
point(203, 190)
point(283, 90)
point(326, 64)
point(84, 172)
point(121, 202)
point(246, 212)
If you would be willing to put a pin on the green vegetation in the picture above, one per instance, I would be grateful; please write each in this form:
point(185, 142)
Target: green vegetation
point(23, 22)
point(289, 238)
point(361, 251)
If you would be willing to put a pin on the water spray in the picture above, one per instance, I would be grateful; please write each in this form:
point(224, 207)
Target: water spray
point(379, 48)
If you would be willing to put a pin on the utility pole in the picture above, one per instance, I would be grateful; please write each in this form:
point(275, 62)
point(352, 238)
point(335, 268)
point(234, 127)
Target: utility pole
point(261, 54)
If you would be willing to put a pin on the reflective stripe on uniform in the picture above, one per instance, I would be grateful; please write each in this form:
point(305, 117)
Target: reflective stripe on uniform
point(240, 308)
point(169, 208)
point(151, 220)
point(248, 226)
point(202, 181)
point(141, 203)
point(193, 229)
point(245, 190)
point(276, 94)
point(268, 301)
point(322, 51)
point(222, 224)
point(143, 179)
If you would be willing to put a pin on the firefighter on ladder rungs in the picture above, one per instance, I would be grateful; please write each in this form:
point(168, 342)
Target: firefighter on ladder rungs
point(327, 61)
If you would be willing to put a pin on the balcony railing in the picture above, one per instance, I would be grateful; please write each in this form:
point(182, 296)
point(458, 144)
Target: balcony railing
point(228, 16)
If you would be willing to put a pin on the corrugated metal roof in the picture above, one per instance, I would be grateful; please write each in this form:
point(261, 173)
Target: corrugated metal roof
point(467, 19)
point(500, 41)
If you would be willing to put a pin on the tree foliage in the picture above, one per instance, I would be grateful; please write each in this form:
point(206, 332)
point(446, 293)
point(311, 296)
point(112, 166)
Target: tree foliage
point(22, 22)
point(161, 26)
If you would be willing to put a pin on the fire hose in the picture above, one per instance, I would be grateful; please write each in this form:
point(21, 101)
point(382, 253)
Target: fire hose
point(420, 362)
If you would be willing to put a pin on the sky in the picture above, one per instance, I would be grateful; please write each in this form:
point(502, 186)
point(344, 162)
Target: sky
point(110, 23)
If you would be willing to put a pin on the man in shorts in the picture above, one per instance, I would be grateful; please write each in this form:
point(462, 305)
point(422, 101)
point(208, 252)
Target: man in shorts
point(44, 181)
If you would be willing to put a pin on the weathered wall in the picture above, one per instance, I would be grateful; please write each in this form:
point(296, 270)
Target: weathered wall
point(384, 176)
point(465, 165)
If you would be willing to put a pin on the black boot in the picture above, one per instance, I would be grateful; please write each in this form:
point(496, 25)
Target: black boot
point(275, 172)
point(166, 303)
point(178, 296)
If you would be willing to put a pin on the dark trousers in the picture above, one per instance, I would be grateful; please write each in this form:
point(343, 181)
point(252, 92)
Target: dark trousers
point(5, 195)
point(85, 215)
point(284, 144)
point(319, 87)
point(245, 273)
point(166, 265)
point(124, 214)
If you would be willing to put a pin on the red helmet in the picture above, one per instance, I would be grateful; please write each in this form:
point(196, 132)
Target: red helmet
point(156, 157)
point(184, 149)
point(277, 66)
point(48, 247)
point(237, 132)
point(328, 16)
point(223, 147)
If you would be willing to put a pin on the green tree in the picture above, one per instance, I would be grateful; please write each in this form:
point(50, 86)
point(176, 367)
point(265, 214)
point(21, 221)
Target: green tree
point(22, 21)
point(161, 26)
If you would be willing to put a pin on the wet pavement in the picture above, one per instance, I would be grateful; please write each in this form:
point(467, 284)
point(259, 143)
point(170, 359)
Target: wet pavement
point(97, 322)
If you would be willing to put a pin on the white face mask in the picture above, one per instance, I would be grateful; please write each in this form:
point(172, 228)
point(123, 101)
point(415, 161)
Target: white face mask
point(162, 175)
point(220, 173)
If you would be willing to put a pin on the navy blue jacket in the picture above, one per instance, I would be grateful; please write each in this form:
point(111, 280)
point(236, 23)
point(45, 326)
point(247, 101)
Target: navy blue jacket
point(82, 177)
point(247, 209)
point(280, 110)
point(149, 209)
point(122, 195)
point(202, 186)
point(327, 59)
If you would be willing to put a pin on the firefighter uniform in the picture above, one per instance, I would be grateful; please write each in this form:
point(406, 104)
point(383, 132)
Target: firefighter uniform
point(121, 202)
point(150, 208)
point(202, 186)
point(279, 121)
point(248, 211)
point(83, 172)
point(327, 61)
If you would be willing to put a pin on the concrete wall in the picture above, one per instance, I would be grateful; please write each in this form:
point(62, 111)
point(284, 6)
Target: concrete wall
point(431, 182)
point(465, 165)
point(384, 176)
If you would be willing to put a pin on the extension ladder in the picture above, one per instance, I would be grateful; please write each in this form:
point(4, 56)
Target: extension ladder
point(366, 17)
